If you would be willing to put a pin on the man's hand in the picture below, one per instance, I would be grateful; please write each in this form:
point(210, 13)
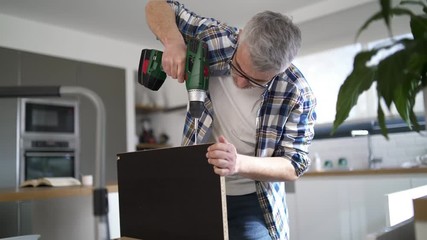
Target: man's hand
point(223, 157)
point(173, 59)
point(161, 20)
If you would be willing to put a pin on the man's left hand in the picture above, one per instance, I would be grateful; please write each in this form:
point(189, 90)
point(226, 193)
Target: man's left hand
point(223, 157)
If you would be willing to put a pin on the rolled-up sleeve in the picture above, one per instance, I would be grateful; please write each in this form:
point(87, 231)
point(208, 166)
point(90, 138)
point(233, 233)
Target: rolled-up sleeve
point(189, 23)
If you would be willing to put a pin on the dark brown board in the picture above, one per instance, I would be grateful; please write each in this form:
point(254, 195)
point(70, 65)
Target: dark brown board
point(169, 193)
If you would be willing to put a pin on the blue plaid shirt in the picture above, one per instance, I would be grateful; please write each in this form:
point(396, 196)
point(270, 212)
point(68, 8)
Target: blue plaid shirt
point(284, 123)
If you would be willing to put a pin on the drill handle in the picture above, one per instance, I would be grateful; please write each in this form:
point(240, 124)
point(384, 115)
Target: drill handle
point(197, 67)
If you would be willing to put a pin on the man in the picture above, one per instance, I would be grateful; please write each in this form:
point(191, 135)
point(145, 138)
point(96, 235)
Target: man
point(259, 110)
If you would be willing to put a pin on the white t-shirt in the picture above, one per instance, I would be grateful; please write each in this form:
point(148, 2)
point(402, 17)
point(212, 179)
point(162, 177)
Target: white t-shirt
point(235, 118)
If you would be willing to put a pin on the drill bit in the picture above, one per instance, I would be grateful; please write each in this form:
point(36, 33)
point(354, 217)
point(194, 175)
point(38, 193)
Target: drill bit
point(196, 124)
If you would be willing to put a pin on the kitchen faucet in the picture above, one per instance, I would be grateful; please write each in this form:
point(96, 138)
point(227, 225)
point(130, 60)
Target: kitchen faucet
point(372, 161)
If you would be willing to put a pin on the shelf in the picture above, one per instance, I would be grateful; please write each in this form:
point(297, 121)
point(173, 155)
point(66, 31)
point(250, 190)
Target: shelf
point(143, 146)
point(140, 108)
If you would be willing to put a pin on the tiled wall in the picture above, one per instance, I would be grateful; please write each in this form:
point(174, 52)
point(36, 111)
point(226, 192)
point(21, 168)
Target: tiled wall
point(400, 148)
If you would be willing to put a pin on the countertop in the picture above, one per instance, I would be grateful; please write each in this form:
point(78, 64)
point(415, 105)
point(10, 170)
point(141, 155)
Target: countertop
point(356, 172)
point(38, 193)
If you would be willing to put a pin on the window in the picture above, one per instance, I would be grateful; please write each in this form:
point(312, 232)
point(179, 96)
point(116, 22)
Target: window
point(326, 71)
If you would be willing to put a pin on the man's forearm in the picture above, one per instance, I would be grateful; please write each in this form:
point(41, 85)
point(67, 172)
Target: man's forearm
point(161, 20)
point(266, 168)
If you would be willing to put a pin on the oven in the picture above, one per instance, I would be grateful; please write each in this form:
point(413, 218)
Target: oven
point(49, 142)
point(48, 158)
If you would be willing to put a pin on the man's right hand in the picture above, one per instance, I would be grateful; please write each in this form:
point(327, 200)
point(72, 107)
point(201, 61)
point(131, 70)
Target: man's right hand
point(173, 59)
point(161, 20)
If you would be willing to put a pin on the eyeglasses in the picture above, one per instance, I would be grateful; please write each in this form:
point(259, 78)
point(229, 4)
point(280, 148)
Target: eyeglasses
point(240, 73)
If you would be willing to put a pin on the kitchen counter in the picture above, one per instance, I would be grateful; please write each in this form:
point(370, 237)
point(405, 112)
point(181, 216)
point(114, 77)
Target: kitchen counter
point(38, 193)
point(356, 172)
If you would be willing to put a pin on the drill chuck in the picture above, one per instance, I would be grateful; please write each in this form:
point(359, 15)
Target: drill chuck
point(196, 109)
point(196, 95)
point(196, 98)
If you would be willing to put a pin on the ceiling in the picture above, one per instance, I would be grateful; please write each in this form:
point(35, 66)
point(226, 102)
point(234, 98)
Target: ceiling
point(124, 20)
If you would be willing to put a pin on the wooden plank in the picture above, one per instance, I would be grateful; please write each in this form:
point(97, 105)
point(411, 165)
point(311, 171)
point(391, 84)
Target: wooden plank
point(171, 193)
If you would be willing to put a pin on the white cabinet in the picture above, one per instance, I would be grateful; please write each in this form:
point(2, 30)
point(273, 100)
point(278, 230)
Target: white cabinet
point(344, 207)
point(70, 218)
point(321, 209)
point(292, 209)
point(367, 206)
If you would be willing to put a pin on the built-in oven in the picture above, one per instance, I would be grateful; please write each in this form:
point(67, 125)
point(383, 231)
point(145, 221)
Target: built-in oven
point(49, 138)
point(48, 158)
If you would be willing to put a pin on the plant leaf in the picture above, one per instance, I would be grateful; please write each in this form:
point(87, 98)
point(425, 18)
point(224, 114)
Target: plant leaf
point(381, 120)
point(359, 80)
point(414, 121)
point(385, 12)
point(418, 26)
point(400, 76)
point(421, 4)
point(375, 17)
point(390, 76)
point(380, 15)
point(399, 79)
point(417, 59)
point(402, 99)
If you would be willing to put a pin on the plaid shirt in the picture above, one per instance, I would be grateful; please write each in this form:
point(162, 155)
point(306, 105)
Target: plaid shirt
point(284, 123)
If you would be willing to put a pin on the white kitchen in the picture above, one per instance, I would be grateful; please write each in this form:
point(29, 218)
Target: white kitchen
point(355, 174)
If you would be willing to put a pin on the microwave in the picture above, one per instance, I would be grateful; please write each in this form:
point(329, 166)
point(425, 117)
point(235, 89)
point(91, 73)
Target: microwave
point(50, 116)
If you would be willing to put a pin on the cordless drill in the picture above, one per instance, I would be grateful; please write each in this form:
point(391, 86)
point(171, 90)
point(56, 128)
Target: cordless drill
point(152, 76)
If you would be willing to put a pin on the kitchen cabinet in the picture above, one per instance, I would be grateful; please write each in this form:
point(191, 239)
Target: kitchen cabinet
point(367, 204)
point(322, 209)
point(61, 213)
point(9, 75)
point(45, 70)
point(344, 207)
point(109, 84)
point(20, 68)
point(31, 69)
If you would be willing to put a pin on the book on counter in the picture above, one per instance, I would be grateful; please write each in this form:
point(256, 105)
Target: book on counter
point(51, 182)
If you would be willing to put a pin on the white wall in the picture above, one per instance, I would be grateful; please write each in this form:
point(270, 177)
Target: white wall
point(339, 29)
point(21, 34)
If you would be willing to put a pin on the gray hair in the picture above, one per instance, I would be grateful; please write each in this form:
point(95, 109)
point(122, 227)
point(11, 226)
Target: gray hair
point(273, 41)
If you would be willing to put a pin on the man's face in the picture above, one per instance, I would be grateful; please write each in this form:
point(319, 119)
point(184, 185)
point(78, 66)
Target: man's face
point(243, 72)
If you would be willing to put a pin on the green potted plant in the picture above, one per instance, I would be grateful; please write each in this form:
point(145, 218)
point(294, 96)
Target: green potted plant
point(399, 76)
